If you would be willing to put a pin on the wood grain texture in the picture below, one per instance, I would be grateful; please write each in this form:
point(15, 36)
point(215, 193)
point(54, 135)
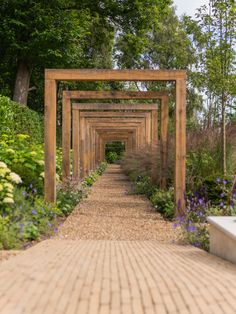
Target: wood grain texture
point(180, 147)
point(112, 106)
point(164, 142)
point(75, 144)
point(66, 137)
point(50, 141)
point(154, 145)
point(113, 75)
point(114, 94)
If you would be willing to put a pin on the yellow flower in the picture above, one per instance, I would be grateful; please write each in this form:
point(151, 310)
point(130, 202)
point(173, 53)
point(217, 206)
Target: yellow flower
point(3, 172)
point(9, 186)
point(1, 187)
point(15, 178)
point(2, 164)
point(8, 200)
point(40, 162)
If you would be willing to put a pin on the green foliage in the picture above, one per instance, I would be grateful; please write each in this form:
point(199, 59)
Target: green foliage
point(144, 186)
point(18, 119)
point(163, 201)
point(114, 151)
point(31, 232)
point(111, 157)
point(217, 189)
point(68, 196)
point(24, 158)
point(7, 181)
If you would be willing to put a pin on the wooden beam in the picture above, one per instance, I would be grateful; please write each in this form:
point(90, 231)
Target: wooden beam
point(50, 141)
point(114, 94)
point(164, 142)
point(154, 145)
point(76, 145)
point(66, 137)
point(180, 146)
point(103, 106)
point(113, 75)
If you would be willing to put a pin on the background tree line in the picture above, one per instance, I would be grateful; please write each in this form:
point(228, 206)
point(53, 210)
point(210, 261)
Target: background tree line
point(35, 35)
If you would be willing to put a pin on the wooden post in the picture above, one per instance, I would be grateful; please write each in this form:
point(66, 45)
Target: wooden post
point(164, 141)
point(154, 145)
point(82, 148)
point(180, 146)
point(66, 136)
point(75, 145)
point(50, 140)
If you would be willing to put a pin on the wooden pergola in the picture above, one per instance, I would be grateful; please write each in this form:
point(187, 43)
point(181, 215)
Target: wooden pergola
point(117, 123)
point(85, 119)
point(53, 76)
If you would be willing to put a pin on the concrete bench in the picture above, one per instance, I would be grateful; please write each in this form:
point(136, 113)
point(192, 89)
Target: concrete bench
point(223, 237)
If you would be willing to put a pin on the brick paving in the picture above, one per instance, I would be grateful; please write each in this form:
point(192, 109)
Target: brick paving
point(63, 275)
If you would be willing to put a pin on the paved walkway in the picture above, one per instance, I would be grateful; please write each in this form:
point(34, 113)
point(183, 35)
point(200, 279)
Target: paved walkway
point(81, 276)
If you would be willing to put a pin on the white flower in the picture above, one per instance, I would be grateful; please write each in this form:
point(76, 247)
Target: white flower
point(40, 162)
point(2, 164)
point(15, 178)
point(9, 186)
point(8, 200)
point(57, 178)
point(42, 174)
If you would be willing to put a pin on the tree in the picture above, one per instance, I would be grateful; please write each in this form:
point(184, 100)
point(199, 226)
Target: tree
point(214, 34)
point(38, 32)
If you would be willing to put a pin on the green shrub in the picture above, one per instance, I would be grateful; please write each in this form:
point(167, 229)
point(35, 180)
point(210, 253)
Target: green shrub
point(19, 119)
point(8, 181)
point(163, 201)
point(68, 196)
point(217, 189)
point(143, 185)
point(24, 158)
point(111, 157)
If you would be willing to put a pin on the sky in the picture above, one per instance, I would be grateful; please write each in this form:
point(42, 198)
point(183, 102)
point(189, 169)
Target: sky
point(188, 6)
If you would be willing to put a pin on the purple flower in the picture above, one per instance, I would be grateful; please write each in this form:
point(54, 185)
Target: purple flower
point(56, 230)
point(224, 182)
point(31, 186)
point(35, 191)
point(33, 211)
point(191, 228)
point(222, 204)
point(24, 193)
point(222, 195)
point(218, 179)
point(49, 224)
point(20, 207)
point(200, 201)
point(175, 225)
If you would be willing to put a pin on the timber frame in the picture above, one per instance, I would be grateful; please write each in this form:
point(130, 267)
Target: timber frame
point(94, 119)
point(69, 96)
point(52, 76)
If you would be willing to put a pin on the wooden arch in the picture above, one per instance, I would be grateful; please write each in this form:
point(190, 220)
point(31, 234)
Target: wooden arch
point(52, 76)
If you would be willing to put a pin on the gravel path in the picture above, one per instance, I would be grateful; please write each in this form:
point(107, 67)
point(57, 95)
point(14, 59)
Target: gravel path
point(111, 213)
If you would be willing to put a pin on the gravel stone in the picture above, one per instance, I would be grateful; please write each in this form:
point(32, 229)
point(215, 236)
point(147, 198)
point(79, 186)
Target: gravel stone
point(111, 212)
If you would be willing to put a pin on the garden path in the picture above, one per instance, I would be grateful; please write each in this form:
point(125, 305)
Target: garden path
point(95, 266)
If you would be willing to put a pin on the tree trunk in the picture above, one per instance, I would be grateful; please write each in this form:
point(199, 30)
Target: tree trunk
point(22, 82)
point(223, 140)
